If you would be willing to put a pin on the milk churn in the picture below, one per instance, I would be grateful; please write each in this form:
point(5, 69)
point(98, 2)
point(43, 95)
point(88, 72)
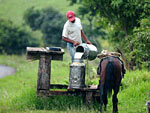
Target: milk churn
point(89, 51)
point(77, 68)
point(77, 75)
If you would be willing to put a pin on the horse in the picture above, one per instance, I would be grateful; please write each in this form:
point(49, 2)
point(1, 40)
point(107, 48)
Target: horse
point(111, 71)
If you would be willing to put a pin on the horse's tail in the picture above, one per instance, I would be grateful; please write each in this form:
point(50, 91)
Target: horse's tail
point(109, 80)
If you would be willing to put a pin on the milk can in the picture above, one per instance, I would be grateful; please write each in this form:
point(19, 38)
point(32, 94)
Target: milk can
point(77, 68)
point(77, 75)
point(89, 51)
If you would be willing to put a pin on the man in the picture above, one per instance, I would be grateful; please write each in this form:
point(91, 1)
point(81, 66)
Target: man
point(72, 33)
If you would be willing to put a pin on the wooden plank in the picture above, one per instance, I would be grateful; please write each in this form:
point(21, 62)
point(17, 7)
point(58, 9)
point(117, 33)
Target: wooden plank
point(36, 49)
point(60, 86)
point(33, 53)
point(44, 72)
point(68, 93)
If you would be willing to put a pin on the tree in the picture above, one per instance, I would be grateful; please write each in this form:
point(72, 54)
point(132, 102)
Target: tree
point(141, 44)
point(49, 21)
point(126, 13)
point(123, 16)
point(14, 39)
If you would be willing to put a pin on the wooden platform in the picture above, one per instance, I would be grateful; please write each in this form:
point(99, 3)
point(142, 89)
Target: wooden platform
point(44, 86)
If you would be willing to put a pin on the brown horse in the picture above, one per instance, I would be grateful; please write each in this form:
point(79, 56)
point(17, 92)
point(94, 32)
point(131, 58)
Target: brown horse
point(111, 71)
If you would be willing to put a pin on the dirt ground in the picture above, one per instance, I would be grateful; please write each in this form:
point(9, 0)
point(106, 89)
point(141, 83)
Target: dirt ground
point(6, 71)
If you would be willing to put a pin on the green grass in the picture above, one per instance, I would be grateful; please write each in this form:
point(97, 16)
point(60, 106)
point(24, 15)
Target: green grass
point(18, 92)
point(14, 9)
point(136, 92)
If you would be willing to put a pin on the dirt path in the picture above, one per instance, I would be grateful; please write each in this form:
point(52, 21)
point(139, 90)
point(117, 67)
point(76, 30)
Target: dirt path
point(6, 70)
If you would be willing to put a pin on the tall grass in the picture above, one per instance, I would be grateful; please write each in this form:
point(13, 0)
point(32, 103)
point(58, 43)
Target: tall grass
point(18, 92)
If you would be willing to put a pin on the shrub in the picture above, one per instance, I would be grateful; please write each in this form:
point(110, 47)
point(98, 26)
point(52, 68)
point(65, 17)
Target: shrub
point(14, 39)
point(49, 21)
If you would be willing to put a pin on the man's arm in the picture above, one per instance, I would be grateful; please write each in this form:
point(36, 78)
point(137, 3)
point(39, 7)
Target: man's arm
point(85, 38)
point(71, 41)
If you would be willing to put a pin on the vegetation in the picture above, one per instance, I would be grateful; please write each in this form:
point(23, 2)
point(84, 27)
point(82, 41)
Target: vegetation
point(132, 97)
point(49, 21)
point(14, 39)
point(14, 9)
point(123, 23)
point(141, 44)
point(120, 18)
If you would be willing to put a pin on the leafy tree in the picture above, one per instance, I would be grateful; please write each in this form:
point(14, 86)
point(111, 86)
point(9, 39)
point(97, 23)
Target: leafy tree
point(123, 16)
point(141, 44)
point(49, 21)
point(14, 39)
point(125, 13)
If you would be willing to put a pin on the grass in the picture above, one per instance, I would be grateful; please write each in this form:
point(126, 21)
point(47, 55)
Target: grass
point(18, 92)
point(136, 92)
point(14, 9)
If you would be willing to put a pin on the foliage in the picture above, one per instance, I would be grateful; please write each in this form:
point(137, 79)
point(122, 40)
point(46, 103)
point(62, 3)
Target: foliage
point(125, 13)
point(122, 17)
point(49, 21)
point(15, 9)
point(141, 44)
point(14, 39)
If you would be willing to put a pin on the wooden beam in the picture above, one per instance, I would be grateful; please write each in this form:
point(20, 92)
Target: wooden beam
point(74, 92)
point(33, 53)
point(44, 72)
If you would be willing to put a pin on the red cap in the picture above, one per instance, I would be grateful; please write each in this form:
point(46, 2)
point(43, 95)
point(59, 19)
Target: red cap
point(70, 15)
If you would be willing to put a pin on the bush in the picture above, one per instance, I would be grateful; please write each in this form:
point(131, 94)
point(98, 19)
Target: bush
point(49, 21)
point(14, 39)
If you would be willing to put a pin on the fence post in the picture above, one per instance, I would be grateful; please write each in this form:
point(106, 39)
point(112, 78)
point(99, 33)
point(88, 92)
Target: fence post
point(44, 72)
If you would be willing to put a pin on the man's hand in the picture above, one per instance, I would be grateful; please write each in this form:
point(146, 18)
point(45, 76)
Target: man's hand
point(88, 42)
point(76, 43)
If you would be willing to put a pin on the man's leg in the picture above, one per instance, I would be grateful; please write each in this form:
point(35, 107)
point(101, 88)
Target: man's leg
point(71, 50)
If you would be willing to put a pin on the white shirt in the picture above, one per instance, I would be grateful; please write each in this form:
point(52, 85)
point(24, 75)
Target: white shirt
point(73, 30)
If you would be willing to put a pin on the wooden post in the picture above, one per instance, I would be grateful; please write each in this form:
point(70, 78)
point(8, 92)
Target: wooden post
point(44, 72)
point(148, 106)
point(89, 98)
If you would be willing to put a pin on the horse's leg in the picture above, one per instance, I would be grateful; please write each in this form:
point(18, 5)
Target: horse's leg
point(101, 104)
point(115, 99)
point(101, 98)
point(105, 100)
